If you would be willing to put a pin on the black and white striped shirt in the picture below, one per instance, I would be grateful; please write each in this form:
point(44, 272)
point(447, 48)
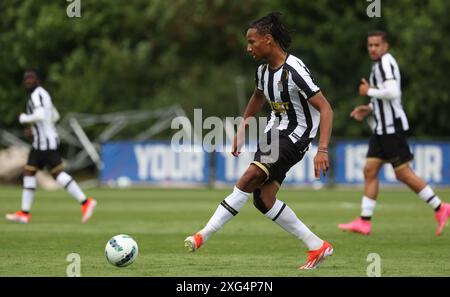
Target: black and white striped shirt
point(45, 136)
point(388, 116)
point(287, 89)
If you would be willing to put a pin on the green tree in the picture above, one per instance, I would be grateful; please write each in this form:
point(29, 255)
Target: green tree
point(141, 54)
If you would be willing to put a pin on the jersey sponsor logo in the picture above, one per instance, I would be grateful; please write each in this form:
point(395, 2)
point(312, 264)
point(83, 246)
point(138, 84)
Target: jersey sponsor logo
point(279, 107)
point(280, 86)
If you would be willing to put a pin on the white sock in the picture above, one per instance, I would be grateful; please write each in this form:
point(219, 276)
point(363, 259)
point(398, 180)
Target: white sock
point(227, 209)
point(427, 194)
point(71, 186)
point(29, 187)
point(367, 206)
point(283, 215)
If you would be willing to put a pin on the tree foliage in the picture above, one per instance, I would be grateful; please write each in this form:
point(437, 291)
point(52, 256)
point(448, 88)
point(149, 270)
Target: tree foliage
point(140, 54)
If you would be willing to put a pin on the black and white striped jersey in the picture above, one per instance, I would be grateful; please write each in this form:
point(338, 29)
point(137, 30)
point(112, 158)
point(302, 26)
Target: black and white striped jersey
point(45, 136)
point(287, 89)
point(388, 116)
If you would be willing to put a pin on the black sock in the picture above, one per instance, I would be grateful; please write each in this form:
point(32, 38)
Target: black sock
point(437, 208)
point(25, 212)
point(366, 218)
point(84, 202)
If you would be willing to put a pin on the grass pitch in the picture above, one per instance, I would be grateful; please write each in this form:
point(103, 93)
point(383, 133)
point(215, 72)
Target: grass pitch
point(403, 235)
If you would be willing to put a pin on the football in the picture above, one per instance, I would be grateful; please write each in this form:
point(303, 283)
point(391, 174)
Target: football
point(121, 250)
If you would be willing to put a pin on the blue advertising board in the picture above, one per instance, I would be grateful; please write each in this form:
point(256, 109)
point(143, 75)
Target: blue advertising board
point(153, 163)
point(156, 163)
point(431, 162)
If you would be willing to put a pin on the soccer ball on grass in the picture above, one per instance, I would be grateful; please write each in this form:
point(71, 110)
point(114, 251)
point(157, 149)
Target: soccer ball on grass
point(121, 250)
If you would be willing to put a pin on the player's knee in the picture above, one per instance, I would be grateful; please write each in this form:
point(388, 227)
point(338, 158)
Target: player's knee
point(258, 202)
point(370, 172)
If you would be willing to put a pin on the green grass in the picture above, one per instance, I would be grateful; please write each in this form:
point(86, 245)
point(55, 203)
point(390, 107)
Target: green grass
point(250, 245)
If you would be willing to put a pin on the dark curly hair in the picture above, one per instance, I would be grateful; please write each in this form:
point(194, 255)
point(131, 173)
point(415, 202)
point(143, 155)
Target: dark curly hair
point(271, 24)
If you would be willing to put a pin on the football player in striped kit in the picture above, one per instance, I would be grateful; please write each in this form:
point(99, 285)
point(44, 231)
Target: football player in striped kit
point(41, 115)
point(298, 106)
point(388, 143)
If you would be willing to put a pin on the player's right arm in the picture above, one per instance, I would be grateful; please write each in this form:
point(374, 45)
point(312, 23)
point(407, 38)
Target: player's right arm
point(37, 115)
point(254, 105)
point(38, 111)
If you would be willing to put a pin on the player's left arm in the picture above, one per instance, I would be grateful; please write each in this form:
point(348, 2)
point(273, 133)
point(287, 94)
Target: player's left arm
point(319, 102)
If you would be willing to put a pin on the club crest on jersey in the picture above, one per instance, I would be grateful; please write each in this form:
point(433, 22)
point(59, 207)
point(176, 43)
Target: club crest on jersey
point(279, 107)
point(280, 86)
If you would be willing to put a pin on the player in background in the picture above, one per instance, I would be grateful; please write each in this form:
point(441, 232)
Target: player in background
point(299, 105)
point(41, 115)
point(388, 143)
